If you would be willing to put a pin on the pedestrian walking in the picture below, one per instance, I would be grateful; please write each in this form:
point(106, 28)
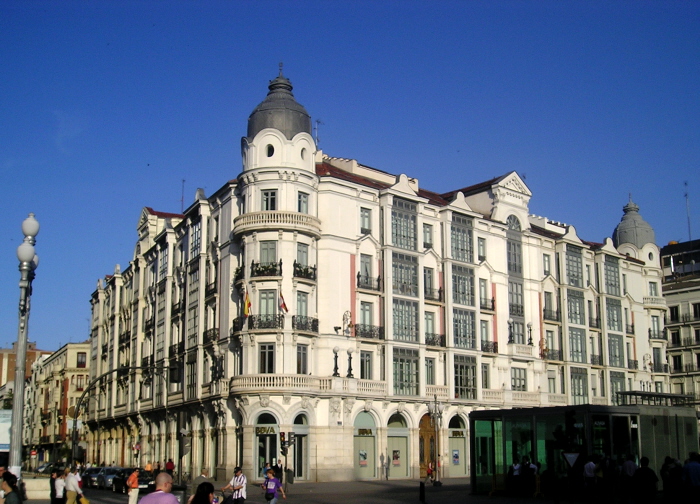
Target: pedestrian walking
point(238, 485)
point(202, 478)
point(645, 481)
point(132, 483)
point(273, 487)
point(170, 467)
point(72, 488)
point(9, 486)
point(60, 485)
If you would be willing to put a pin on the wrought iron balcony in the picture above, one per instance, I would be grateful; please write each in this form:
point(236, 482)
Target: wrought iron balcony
point(596, 360)
point(659, 368)
point(239, 274)
point(552, 355)
point(368, 282)
point(147, 362)
point(554, 315)
point(691, 368)
point(433, 339)
point(45, 439)
point(211, 335)
point(304, 271)
point(265, 322)
point(124, 337)
point(594, 322)
point(176, 307)
point(304, 323)
point(433, 294)
point(487, 304)
point(657, 334)
point(629, 328)
point(149, 324)
point(176, 348)
point(45, 416)
point(265, 269)
point(489, 346)
point(369, 331)
point(104, 349)
point(516, 309)
point(632, 364)
point(210, 289)
point(237, 324)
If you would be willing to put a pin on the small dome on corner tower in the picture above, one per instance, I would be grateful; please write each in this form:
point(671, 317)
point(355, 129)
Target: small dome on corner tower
point(279, 110)
point(632, 228)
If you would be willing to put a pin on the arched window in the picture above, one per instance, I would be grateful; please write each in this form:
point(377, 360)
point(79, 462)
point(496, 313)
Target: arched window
point(513, 223)
point(301, 420)
point(266, 418)
point(456, 422)
point(397, 421)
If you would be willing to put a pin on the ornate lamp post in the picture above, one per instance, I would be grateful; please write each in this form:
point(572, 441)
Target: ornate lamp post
point(529, 333)
point(350, 363)
point(435, 409)
point(510, 331)
point(28, 262)
point(335, 359)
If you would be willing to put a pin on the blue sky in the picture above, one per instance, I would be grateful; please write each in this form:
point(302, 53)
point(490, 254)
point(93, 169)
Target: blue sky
point(105, 107)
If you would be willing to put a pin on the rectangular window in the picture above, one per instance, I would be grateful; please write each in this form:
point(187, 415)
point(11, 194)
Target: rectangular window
point(465, 377)
point(403, 224)
point(576, 303)
point(547, 264)
point(365, 221)
point(515, 299)
point(267, 358)
point(485, 375)
point(624, 284)
point(429, 323)
point(574, 265)
point(82, 359)
point(462, 239)
point(518, 329)
point(192, 324)
point(612, 275)
point(405, 274)
point(303, 359)
point(269, 200)
point(302, 304)
point(366, 313)
point(515, 256)
point(484, 330)
point(579, 386)
point(464, 328)
point(549, 338)
point(365, 269)
point(268, 302)
point(427, 236)
point(653, 289)
point(577, 342)
point(405, 320)
point(163, 263)
point(481, 249)
point(405, 371)
point(463, 285)
point(429, 371)
point(655, 327)
point(518, 379)
point(191, 380)
point(302, 202)
point(268, 252)
point(302, 254)
point(365, 365)
point(196, 238)
point(615, 350)
point(617, 384)
point(613, 310)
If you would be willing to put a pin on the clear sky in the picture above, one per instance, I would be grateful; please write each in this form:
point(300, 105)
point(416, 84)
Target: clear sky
point(105, 107)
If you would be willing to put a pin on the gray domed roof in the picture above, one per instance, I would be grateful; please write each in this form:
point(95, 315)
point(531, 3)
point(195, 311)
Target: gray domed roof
point(632, 228)
point(279, 110)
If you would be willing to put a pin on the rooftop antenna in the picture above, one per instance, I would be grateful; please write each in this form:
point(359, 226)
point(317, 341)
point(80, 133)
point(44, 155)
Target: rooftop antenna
point(182, 197)
point(687, 208)
point(318, 122)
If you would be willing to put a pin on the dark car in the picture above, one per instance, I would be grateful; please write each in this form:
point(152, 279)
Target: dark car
point(90, 477)
point(104, 477)
point(146, 481)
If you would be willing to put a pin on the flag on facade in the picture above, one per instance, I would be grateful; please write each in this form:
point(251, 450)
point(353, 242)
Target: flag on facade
point(283, 305)
point(246, 304)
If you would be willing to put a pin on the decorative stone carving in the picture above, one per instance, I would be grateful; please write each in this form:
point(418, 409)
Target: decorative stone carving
point(385, 404)
point(368, 405)
point(286, 399)
point(335, 406)
point(348, 406)
point(264, 400)
point(402, 407)
point(306, 403)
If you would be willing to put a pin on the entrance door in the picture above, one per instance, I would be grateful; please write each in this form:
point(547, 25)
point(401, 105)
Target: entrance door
point(426, 444)
point(300, 456)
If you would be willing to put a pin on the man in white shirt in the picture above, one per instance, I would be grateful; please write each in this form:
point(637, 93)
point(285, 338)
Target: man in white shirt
point(238, 485)
point(72, 490)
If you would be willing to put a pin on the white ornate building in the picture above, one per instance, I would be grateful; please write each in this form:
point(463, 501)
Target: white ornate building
point(319, 296)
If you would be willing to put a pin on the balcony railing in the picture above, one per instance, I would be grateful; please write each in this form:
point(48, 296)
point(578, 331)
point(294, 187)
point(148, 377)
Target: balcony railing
point(176, 348)
point(237, 324)
point(149, 324)
point(369, 331)
point(45, 439)
point(104, 349)
point(516, 309)
point(596, 360)
point(554, 315)
point(147, 362)
point(550, 354)
point(657, 334)
point(265, 269)
point(210, 289)
point(239, 274)
point(304, 323)
point(303, 383)
point(368, 282)
point(489, 346)
point(654, 300)
point(124, 337)
point(265, 322)
point(433, 339)
point(629, 328)
point(304, 271)
point(659, 368)
point(211, 335)
point(273, 219)
point(632, 364)
point(594, 322)
point(176, 307)
point(433, 294)
point(684, 342)
point(487, 304)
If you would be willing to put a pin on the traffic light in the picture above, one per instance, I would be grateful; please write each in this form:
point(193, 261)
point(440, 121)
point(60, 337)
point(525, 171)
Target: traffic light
point(292, 438)
point(282, 439)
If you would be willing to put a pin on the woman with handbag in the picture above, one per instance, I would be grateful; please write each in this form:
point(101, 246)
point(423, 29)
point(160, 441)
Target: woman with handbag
point(273, 487)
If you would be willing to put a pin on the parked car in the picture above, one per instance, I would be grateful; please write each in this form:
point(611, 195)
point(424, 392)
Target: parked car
point(105, 476)
point(90, 477)
point(43, 467)
point(146, 481)
point(49, 467)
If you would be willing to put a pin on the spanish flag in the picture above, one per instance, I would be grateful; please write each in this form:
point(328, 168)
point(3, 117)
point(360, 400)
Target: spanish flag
point(283, 305)
point(246, 304)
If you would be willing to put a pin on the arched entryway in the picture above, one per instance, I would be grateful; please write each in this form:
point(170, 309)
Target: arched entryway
point(266, 432)
point(426, 444)
point(364, 446)
point(457, 435)
point(397, 446)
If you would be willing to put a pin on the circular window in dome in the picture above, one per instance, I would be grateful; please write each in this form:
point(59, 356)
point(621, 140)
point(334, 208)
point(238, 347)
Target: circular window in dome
point(270, 150)
point(303, 153)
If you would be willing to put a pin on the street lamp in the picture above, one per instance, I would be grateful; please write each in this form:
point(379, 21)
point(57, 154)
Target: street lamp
point(510, 331)
point(435, 409)
point(335, 359)
point(350, 363)
point(28, 262)
point(529, 333)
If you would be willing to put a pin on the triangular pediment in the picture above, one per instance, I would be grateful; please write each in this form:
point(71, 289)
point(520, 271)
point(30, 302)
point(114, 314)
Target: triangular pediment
point(514, 183)
point(460, 203)
point(609, 247)
point(403, 185)
point(143, 218)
